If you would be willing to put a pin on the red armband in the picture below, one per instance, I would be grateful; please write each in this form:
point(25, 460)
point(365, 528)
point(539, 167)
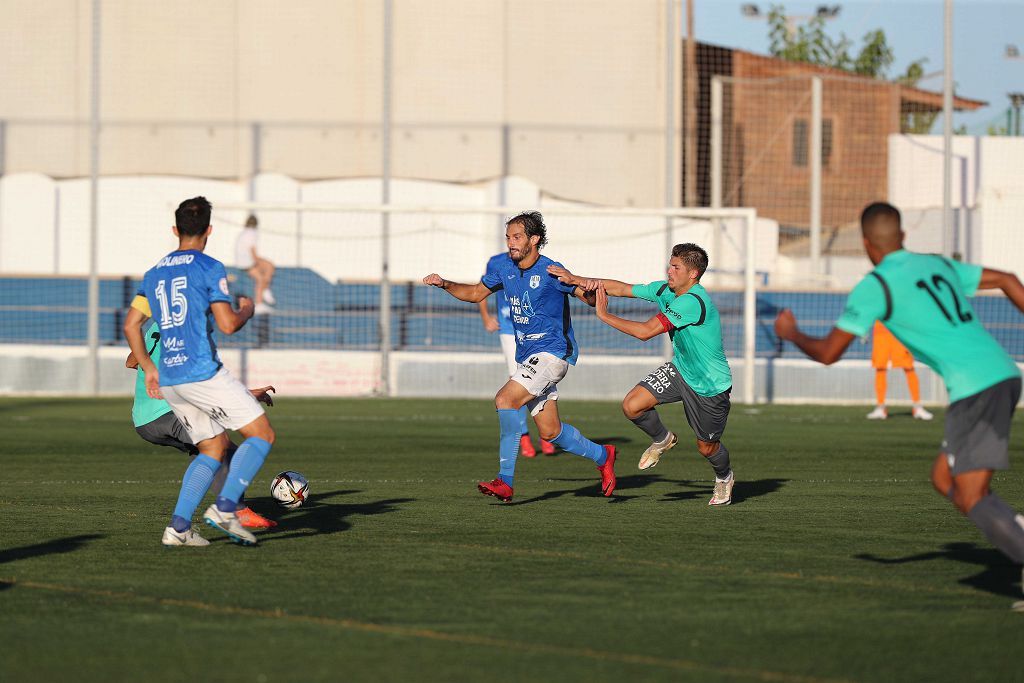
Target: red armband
point(665, 322)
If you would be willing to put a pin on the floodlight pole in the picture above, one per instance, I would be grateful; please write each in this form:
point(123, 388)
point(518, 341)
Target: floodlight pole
point(385, 197)
point(947, 132)
point(671, 93)
point(816, 175)
point(93, 315)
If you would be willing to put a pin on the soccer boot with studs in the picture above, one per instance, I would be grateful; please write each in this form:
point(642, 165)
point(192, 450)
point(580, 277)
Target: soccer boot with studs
point(496, 488)
point(607, 471)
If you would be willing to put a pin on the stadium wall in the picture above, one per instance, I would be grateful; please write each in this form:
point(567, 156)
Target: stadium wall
point(480, 89)
point(60, 370)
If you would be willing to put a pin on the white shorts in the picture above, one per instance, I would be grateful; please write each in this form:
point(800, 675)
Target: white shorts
point(540, 374)
point(508, 347)
point(212, 406)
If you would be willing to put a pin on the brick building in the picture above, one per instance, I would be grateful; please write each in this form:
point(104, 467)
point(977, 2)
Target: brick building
point(767, 128)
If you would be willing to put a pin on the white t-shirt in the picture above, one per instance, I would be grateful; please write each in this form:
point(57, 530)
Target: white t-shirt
point(243, 248)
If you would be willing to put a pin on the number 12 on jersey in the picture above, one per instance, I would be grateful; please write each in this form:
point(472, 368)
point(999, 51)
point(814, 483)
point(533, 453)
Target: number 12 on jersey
point(934, 290)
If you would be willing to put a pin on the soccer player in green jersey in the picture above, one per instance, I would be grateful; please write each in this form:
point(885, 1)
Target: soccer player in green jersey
point(923, 300)
point(698, 374)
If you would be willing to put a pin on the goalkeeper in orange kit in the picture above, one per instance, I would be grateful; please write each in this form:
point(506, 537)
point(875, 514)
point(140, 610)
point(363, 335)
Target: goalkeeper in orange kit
point(886, 350)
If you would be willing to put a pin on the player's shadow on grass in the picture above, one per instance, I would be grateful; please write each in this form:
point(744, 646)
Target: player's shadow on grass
point(318, 517)
point(54, 547)
point(592, 489)
point(998, 576)
point(741, 492)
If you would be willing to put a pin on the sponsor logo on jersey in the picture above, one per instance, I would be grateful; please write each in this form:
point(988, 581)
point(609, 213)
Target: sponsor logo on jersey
point(173, 344)
point(176, 360)
point(527, 304)
point(180, 259)
point(534, 281)
point(538, 335)
point(223, 285)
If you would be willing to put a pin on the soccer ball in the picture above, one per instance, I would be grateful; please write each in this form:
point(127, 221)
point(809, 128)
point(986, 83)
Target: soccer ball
point(289, 489)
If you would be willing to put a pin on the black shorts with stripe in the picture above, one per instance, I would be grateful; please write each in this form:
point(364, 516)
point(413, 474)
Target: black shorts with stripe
point(706, 415)
point(977, 434)
point(167, 430)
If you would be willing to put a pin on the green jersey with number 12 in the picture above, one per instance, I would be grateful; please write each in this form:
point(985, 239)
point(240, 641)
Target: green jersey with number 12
point(923, 300)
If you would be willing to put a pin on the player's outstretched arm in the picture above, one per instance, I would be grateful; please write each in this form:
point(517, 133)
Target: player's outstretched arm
point(463, 292)
point(825, 350)
point(228, 319)
point(1008, 282)
point(490, 322)
point(589, 284)
point(634, 328)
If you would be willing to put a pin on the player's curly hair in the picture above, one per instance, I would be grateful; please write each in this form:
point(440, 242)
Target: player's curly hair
point(533, 224)
point(693, 256)
point(193, 216)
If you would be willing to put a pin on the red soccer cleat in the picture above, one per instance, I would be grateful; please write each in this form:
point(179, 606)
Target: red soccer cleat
point(526, 448)
point(251, 519)
point(496, 488)
point(546, 447)
point(607, 471)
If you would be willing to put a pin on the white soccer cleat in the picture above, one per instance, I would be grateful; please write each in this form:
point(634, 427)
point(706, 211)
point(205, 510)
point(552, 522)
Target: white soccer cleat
point(262, 309)
point(653, 454)
point(879, 413)
point(723, 490)
point(174, 538)
point(920, 413)
point(229, 523)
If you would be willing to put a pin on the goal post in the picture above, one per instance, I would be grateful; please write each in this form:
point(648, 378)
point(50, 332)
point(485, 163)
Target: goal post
point(622, 243)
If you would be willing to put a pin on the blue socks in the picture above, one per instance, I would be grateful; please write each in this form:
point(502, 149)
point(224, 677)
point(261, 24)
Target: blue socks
point(245, 463)
point(510, 422)
point(524, 425)
point(194, 486)
point(570, 439)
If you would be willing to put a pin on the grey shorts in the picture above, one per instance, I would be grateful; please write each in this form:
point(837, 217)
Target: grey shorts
point(167, 430)
point(978, 429)
point(706, 415)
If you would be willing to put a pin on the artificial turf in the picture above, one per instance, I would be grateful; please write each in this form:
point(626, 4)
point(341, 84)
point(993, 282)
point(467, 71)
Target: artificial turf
point(836, 562)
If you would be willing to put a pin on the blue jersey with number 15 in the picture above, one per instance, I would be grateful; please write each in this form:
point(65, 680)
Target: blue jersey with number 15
point(180, 289)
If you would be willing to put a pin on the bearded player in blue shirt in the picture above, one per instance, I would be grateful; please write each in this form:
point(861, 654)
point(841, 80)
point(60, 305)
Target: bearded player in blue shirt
point(502, 324)
point(187, 291)
point(545, 348)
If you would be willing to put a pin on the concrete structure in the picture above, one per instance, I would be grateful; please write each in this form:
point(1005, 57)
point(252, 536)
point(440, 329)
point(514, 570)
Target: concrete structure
point(569, 95)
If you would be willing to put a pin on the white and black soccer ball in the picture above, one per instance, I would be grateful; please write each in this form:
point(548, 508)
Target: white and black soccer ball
point(289, 489)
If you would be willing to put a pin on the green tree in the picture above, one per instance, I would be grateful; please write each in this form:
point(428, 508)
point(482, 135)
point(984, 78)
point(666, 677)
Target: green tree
point(810, 43)
point(921, 121)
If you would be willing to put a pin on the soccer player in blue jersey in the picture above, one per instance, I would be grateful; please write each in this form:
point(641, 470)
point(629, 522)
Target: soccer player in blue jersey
point(923, 300)
point(156, 423)
point(698, 374)
point(502, 324)
point(188, 292)
point(545, 348)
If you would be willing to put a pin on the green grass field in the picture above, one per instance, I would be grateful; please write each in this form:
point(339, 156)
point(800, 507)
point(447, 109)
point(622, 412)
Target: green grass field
point(836, 561)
